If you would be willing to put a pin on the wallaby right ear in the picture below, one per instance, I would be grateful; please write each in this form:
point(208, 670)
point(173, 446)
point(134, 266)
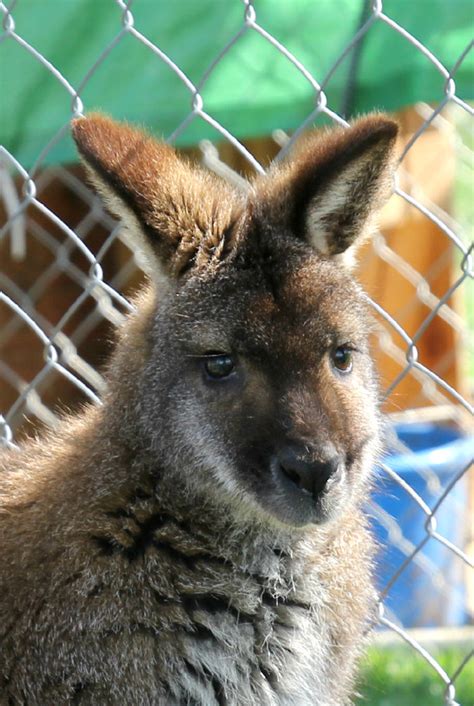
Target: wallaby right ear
point(326, 195)
point(179, 215)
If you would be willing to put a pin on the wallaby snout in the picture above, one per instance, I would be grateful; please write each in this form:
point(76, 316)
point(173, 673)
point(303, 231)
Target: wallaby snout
point(310, 482)
point(308, 476)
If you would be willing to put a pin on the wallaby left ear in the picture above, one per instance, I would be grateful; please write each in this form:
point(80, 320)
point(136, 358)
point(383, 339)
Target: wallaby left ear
point(327, 194)
point(179, 216)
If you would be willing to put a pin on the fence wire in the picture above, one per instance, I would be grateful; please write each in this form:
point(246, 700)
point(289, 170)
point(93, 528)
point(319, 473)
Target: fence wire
point(45, 345)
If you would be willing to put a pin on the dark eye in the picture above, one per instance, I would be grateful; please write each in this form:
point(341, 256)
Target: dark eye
point(218, 366)
point(342, 358)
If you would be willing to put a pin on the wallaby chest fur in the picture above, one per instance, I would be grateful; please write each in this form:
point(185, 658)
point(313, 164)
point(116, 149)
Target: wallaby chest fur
point(199, 538)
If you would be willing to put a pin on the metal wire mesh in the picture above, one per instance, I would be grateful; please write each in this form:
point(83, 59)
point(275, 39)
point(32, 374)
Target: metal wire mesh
point(76, 256)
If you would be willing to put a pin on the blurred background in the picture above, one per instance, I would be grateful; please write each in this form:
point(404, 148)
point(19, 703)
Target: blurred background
point(234, 84)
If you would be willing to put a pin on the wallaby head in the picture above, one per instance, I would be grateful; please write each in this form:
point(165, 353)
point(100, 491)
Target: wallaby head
point(247, 375)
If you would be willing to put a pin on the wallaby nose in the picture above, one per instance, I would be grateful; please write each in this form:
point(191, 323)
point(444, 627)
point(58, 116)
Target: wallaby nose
point(311, 476)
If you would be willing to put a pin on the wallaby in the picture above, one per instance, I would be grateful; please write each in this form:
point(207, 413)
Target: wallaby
point(199, 538)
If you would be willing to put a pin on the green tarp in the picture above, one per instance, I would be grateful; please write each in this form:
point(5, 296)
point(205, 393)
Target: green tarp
point(253, 90)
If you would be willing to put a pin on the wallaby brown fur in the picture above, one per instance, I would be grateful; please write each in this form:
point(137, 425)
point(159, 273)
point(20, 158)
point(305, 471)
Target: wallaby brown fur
point(199, 538)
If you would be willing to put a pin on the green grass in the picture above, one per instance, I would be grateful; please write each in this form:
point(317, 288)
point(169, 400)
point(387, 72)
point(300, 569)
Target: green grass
point(398, 676)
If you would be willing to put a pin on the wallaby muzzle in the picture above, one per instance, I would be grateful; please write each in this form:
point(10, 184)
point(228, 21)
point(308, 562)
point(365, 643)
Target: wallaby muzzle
point(296, 470)
point(310, 477)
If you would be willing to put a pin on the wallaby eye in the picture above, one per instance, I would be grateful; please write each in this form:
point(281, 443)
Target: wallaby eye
point(342, 358)
point(219, 366)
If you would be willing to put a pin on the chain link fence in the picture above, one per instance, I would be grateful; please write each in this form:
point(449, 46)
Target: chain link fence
point(67, 270)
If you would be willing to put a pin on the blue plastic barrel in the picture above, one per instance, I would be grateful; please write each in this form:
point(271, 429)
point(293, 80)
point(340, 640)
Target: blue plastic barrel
point(430, 591)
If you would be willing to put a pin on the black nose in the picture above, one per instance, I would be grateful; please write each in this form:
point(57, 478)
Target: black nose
point(311, 476)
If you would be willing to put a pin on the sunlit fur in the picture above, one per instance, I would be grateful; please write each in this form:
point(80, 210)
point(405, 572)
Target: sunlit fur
point(150, 555)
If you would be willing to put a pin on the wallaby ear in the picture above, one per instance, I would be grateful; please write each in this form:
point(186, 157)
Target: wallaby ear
point(327, 194)
point(179, 215)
